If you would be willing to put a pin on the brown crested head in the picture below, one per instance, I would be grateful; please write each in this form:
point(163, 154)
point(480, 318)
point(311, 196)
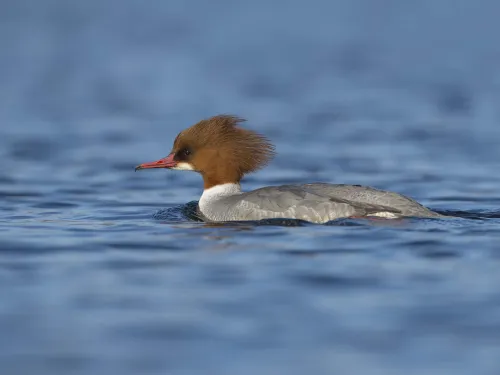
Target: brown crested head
point(219, 149)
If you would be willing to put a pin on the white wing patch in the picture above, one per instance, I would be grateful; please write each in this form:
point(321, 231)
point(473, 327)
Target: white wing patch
point(387, 215)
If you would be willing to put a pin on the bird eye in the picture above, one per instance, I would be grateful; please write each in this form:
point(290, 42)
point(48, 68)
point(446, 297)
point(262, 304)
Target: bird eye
point(183, 154)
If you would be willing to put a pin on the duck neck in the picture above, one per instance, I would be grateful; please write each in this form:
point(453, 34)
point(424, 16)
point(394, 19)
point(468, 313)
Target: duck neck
point(217, 192)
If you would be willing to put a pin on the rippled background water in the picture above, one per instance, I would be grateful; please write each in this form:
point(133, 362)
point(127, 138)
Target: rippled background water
point(103, 272)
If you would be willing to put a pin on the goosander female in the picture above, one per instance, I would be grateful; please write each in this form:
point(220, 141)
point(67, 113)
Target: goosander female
point(223, 152)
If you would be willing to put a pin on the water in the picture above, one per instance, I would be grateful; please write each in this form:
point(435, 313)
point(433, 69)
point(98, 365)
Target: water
point(104, 271)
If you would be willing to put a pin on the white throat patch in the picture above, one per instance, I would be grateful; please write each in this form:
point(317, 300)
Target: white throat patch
point(182, 166)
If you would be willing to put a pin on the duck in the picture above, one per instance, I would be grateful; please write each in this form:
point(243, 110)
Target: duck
point(223, 152)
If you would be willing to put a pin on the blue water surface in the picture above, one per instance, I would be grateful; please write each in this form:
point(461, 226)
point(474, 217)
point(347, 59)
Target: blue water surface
point(106, 271)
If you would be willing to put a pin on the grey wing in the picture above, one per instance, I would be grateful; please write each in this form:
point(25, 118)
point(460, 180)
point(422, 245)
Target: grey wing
point(364, 195)
point(294, 201)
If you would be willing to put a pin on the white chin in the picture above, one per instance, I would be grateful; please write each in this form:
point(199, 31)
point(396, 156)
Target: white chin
point(183, 167)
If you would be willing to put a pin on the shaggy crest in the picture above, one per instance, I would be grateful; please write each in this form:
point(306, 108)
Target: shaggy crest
point(219, 146)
